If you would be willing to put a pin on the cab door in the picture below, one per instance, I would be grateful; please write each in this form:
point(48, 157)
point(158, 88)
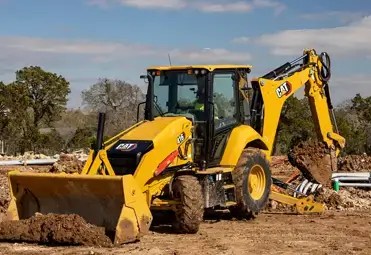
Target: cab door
point(224, 94)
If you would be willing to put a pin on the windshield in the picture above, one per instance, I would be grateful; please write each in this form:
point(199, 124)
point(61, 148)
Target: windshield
point(178, 92)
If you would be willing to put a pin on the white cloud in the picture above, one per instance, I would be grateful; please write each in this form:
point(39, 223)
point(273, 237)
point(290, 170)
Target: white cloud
point(224, 7)
point(341, 16)
point(353, 40)
point(210, 56)
point(346, 87)
point(83, 61)
point(201, 5)
point(170, 4)
point(243, 39)
point(17, 52)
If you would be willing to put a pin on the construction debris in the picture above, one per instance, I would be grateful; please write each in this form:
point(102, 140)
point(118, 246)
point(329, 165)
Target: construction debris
point(355, 163)
point(30, 155)
point(345, 199)
point(67, 163)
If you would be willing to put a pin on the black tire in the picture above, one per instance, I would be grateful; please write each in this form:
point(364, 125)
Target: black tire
point(189, 215)
point(247, 207)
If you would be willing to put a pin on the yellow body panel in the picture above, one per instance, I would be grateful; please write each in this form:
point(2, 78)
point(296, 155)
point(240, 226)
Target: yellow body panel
point(239, 138)
point(158, 129)
point(208, 67)
point(302, 205)
point(113, 202)
point(163, 131)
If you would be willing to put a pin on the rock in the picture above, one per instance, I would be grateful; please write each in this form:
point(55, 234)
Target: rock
point(67, 163)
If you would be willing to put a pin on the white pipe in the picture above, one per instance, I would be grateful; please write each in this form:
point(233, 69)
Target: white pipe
point(350, 174)
point(28, 162)
point(355, 184)
point(353, 178)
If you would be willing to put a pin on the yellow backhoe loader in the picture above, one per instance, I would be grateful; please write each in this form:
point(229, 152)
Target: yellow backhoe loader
point(202, 145)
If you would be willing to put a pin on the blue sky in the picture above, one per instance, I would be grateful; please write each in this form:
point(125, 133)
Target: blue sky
point(88, 39)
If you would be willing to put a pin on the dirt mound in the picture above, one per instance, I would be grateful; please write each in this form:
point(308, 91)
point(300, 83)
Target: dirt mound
point(345, 199)
point(54, 229)
point(313, 160)
point(4, 203)
point(355, 163)
point(67, 163)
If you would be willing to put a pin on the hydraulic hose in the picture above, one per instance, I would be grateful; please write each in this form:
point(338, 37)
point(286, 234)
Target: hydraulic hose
point(325, 75)
point(325, 72)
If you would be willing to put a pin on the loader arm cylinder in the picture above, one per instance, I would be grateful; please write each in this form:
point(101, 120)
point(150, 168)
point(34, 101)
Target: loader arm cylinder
point(100, 131)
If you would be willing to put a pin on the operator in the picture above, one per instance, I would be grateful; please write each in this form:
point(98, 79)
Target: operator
point(200, 101)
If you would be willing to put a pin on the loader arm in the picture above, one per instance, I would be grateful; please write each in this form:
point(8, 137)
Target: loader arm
point(273, 89)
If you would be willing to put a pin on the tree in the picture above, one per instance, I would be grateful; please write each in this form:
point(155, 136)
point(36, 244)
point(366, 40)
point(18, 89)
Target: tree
point(5, 118)
point(355, 136)
point(362, 106)
point(118, 99)
point(38, 98)
point(295, 125)
point(76, 125)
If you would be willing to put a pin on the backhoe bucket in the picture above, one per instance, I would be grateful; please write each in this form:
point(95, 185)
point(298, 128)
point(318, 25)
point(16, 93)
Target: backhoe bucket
point(114, 202)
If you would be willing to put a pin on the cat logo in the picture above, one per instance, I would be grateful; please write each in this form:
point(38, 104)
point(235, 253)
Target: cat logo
point(126, 146)
point(180, 138)
point(284, 89)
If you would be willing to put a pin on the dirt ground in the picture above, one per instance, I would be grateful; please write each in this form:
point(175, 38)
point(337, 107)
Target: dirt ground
point(332, 232)
point(342, 228)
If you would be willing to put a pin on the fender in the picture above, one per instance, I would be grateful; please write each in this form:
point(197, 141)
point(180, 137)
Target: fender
point(241, 137)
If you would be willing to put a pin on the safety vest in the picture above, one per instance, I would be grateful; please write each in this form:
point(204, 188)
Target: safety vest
point(200, 107)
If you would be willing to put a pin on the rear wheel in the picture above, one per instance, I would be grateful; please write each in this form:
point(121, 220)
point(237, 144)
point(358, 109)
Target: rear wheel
point(189, 214)
point(252, 178)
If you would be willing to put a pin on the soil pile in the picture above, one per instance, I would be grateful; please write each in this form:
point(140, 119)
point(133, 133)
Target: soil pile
point(67, 163)
point(355, 163)
point(313, 160)
point(345, 199)
point(53, 229)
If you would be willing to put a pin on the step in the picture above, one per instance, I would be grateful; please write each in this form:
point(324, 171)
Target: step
point(228, 186)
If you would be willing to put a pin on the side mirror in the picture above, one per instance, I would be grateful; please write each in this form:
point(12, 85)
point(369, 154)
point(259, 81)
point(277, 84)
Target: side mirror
point(144, 77)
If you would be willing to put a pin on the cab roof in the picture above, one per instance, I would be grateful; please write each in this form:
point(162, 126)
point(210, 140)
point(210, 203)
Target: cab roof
point(208, 67)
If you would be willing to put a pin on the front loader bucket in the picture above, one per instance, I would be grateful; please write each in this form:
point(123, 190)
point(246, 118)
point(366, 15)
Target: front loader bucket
point(114, 202)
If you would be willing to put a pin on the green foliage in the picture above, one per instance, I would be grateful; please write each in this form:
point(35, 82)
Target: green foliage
point(362, 106)
point(93, 141)
point(34, 100)
point(353, 119)
point(295, 125)
point(354, 136)
point(81, 139)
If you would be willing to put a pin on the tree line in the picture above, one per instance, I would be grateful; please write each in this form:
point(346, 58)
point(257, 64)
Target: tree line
point(34, 115)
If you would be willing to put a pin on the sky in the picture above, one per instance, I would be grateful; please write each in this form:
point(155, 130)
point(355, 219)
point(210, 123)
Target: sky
point(85, 40)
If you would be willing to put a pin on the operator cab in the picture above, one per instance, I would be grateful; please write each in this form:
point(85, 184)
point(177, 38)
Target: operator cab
point(212, 97)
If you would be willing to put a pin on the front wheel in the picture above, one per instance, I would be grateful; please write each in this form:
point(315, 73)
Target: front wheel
point(189, 214)
point(252, 179)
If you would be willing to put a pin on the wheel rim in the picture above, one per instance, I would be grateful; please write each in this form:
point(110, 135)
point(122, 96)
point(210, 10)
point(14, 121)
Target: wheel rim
point(256, 182)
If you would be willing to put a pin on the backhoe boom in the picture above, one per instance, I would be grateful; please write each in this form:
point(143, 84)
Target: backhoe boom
point(273, 89)
point(277, 86)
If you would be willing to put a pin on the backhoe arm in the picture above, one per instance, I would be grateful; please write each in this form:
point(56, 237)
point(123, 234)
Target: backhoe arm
point(273, 89)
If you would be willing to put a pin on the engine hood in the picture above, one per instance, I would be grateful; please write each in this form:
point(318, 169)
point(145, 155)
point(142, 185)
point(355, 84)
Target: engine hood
point(160, 129)
point(152, 140)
